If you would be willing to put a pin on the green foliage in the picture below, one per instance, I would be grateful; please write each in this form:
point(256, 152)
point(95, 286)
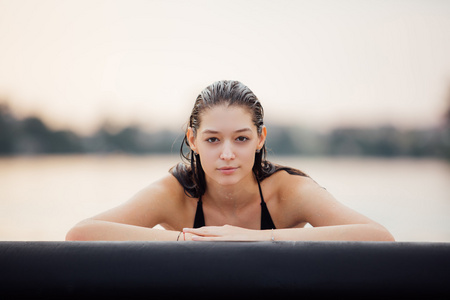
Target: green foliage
point(32, 136)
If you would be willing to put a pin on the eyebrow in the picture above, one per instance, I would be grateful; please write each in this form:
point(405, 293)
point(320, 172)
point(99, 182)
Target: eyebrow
point(211, 131)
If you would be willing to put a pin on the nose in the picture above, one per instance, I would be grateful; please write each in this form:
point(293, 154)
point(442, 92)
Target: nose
point(227, 152)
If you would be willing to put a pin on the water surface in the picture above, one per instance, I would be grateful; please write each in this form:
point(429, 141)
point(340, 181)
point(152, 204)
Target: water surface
point(42, 197)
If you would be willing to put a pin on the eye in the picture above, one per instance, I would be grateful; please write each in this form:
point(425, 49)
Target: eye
point(242, 139)
point(212, 140)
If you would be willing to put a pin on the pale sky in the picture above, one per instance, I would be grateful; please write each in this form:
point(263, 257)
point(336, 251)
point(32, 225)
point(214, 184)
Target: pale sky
point(313, 63)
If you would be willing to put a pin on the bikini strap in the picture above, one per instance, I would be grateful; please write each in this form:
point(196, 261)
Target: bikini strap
point(260, 191)
point(266, 218)
point(199, 220)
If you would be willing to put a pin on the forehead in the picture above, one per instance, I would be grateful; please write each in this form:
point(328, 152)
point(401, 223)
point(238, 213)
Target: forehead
point(226, 118)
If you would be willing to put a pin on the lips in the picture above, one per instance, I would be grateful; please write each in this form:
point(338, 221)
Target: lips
point(227, 170)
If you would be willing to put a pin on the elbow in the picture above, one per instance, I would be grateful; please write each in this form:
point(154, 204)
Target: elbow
point(75, 234)
point(80, 232)
point(388, 237)
point(381, 234)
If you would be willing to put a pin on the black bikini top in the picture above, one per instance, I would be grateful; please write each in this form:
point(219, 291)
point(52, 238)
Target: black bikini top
point(266, 219)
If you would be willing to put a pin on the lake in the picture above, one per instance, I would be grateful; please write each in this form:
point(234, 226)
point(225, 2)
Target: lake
point(42, 197)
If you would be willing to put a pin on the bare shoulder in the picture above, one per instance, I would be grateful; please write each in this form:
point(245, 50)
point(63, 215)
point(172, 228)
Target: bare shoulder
point(154, 204)
point(301, 199)
point(164, 195)
point(302, 193)
point(166, 187)
point(288, 186)
point(286, 195)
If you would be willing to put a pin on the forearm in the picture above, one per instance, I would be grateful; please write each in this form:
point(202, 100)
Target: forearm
point(97, 230)
point(352, 232)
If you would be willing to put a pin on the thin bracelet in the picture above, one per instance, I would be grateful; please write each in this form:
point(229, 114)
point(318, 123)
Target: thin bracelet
point(178, 237)
point(273, 237)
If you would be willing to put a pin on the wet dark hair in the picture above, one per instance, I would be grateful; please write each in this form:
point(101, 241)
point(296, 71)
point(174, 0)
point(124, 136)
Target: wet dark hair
point(189, 173)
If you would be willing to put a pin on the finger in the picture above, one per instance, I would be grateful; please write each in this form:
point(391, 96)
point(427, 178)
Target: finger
point(205, 231)
point(191, 237)
point(193, 230)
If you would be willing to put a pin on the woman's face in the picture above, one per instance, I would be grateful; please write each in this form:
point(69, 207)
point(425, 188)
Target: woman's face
point(226, 141)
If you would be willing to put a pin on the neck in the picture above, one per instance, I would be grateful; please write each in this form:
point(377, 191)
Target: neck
point(232, 197)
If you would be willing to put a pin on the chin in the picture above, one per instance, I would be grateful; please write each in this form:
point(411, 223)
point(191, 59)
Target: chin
point(226, 180)
point(229, 180)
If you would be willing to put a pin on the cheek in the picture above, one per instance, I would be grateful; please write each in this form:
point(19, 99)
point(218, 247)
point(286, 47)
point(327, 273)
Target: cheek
point(246, 156)
point(208, 159)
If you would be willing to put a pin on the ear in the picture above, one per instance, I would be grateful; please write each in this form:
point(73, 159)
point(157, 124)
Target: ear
point(262, 137)
point(191, 139)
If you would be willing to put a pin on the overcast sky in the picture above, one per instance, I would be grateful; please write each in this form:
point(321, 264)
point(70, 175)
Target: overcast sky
point(314, 63)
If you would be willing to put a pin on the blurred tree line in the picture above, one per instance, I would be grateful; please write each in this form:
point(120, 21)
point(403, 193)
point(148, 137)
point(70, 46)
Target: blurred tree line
point(32, 136)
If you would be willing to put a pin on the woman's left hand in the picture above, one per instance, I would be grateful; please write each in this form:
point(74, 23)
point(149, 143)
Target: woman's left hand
point(227, 233)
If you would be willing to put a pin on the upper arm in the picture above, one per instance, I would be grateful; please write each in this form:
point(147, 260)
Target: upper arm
point(306, 201)
point(150, 206)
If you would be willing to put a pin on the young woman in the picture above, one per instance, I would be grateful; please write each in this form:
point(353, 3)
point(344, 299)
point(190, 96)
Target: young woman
point(227, 190)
